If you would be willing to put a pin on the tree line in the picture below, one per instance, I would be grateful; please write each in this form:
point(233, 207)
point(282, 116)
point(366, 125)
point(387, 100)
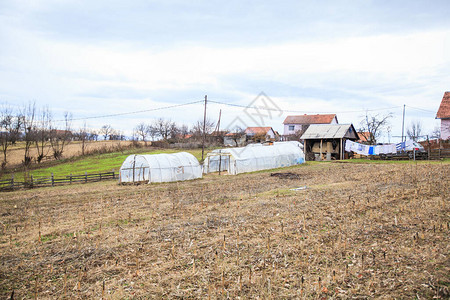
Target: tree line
point(35, 128)
point(170, 131)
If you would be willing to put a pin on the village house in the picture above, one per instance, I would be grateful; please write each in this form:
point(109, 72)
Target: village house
point(261, 134)
point(235, 139)
point(298, 124)
point(444, 114)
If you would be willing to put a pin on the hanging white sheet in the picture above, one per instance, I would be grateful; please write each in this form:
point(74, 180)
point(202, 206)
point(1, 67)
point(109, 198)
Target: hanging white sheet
point(367, 150)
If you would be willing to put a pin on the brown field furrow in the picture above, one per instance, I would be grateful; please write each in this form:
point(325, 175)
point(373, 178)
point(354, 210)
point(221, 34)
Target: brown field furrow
point(357, 231)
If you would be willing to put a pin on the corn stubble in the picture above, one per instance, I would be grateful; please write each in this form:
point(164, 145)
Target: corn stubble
point(357, 231)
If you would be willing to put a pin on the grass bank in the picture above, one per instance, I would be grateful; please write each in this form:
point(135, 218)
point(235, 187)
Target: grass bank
point(96, 163)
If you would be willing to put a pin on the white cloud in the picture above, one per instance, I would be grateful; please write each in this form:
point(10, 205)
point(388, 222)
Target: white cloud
point(36, 67)
point(388, 56)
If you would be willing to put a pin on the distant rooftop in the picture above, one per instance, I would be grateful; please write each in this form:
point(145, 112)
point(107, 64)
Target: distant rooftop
point(444, 108)
point(257, 130)
point(310, 119)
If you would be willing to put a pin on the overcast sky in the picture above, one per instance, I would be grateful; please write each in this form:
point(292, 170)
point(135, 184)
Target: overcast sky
point(95, 58)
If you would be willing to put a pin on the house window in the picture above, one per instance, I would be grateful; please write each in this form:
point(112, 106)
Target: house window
point(291, 127)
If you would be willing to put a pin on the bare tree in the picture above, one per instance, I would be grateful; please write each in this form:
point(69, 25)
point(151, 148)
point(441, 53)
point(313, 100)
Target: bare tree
point(10, 126)
point(374, 125)
point(92, 135)
point(83, 136)
point(42, 131)
point(174, 130)
point(236, 134)
point(436, 133)
point(142, 130)
point(166, 129)
point(152, 131)
point(197, 129)
point(122, 136)
point(5, 122)
point(59, 138)
point(106, 131)
point(28, 122)
point(162, 128)
point(298, 134)
point(415, 130)
point(116, 135)
point(183, 131)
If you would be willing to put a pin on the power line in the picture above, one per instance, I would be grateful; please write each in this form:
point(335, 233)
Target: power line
point(301, 111)
point(240, 106)
point(426, 110)
point(134, 112)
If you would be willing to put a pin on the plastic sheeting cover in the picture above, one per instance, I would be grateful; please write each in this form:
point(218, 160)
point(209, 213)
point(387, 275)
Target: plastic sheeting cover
point(160, 168)
point(254, 157)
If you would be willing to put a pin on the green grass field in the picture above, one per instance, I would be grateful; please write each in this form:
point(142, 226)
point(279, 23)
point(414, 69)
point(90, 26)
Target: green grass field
point(97, 163)
point(112, 161)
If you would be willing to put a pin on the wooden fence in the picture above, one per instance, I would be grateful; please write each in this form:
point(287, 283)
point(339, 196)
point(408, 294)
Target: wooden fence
point(434, 154)
point(34, 182)
point(439, 154)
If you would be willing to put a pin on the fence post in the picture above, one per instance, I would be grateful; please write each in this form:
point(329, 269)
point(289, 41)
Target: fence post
point(53, 180)
point(70, 178)
point(31, 180)
point(85, 176)
point(12, 181)
point(220, 160)
point(100, 176)
point(114, 177)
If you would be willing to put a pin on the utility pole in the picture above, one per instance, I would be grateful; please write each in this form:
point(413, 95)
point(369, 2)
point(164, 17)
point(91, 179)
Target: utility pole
point(218, 122)
point(403, 123)
point(204, 127)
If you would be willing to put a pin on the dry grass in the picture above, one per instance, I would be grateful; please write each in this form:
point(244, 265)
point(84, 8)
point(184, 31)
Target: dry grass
point(16, 153)
point(358, 231)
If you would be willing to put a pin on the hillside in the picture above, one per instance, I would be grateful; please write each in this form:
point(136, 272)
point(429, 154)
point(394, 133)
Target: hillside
point(102, 161)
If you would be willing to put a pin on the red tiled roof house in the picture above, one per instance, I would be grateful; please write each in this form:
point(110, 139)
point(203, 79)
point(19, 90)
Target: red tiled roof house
point(262, 133)
point(364, 137)
point(294, 124)
point(444, 114)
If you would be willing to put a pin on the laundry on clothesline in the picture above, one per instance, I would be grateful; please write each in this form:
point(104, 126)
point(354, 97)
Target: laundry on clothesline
point(362, 149)
point(403, 146)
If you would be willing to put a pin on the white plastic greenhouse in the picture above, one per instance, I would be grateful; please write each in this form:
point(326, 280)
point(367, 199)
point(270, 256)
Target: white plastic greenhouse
point(254, 157)
point(160, 168)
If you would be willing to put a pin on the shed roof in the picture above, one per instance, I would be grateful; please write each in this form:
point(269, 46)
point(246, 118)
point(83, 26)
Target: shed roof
point(310, 119)
point(330, 131)
point(444, 108)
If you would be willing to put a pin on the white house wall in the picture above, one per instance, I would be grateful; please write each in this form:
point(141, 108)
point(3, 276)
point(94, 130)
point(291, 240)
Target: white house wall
point(297, 127)
point(445, 129)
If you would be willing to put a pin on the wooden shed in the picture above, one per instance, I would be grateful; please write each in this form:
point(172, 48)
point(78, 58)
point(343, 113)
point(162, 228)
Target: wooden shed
point(327, 141)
